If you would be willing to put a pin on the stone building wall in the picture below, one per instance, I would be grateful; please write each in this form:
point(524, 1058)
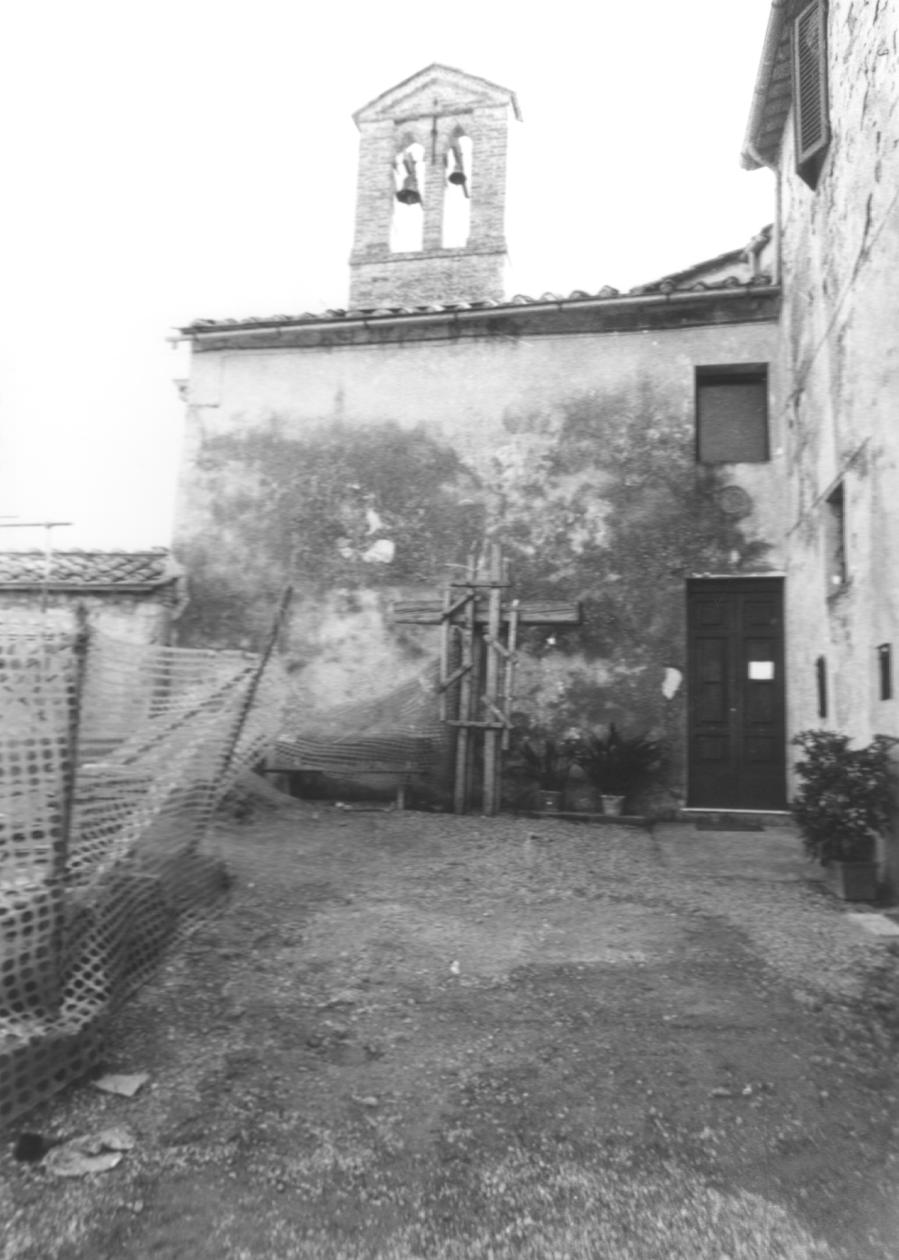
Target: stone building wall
point(840, 364)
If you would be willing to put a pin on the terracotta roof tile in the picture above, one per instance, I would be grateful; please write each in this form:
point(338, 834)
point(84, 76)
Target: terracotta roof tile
point(677, 280)
point(87, 568)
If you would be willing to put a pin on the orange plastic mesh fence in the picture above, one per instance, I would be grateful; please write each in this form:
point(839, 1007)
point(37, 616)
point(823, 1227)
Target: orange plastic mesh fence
point(399, 732)
point(113, 757)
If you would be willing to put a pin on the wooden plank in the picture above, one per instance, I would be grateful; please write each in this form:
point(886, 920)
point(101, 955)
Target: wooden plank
point(430, 612)
point(454, 677)
point(477, 725)
point(499, 715)
point(450, 608)
point(347, 770)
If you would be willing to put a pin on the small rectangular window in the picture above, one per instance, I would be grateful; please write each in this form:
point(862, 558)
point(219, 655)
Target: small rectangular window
point(810, 105)
point(885, 670)
point(835, 540)
point(732, 414)
point(821, 685)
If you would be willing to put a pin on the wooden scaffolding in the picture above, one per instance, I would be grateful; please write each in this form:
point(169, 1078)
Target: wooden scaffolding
point(479, 629)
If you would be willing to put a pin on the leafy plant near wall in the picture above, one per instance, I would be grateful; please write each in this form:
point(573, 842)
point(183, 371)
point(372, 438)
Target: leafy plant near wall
point(846, 794)
point(548, 761)
point(617, 765)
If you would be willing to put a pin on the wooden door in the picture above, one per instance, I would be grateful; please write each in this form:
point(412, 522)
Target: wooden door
point(735, 687)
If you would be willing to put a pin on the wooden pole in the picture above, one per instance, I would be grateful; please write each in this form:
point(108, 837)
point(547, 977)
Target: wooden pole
point(491, 683)
point(511, 661)
point(445, 633)
point(461, 792)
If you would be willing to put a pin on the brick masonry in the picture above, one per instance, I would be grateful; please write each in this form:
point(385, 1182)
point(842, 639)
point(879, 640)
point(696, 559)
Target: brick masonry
point(432, 109)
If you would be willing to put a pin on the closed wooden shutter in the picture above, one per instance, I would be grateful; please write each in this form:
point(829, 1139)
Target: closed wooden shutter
point(731, 416)
point(810, 83)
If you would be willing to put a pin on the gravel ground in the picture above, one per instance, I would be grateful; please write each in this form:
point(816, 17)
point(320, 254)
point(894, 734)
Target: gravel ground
point(420, 1037)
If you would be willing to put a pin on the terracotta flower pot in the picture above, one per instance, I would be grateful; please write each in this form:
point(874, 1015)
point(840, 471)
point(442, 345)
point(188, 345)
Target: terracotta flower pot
point(854, 881)
point(583, 798)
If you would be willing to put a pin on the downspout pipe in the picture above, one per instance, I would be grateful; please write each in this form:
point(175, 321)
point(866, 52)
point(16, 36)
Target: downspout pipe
point(751, 158)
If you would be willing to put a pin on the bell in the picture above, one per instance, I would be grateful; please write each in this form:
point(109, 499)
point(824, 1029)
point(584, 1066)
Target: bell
point(409, 194)
point(457, 175)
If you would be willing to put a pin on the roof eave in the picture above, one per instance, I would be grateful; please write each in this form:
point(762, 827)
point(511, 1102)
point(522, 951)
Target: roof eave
point(86, 588)
point(755, 152)
point(465, 314)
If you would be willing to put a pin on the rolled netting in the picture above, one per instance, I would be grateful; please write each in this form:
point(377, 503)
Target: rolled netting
point(113, 757)
point(398, 736)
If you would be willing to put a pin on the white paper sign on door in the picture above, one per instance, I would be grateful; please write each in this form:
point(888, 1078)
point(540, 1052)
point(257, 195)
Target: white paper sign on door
point(761, 671)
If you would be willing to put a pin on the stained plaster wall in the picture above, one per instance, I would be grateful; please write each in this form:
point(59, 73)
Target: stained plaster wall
point(139, 618)
point(131, 618)
point(361, 473)
point(840, 359)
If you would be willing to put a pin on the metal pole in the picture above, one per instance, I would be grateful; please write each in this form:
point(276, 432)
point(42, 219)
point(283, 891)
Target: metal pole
point(59, 856)
point(250, 694)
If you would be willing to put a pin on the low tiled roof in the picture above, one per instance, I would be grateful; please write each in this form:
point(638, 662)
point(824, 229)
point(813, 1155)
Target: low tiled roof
point(106, 570)
point(736, 265)
point(570, 300)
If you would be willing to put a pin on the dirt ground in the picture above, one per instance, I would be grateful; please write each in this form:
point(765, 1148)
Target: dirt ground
point(419, 1036)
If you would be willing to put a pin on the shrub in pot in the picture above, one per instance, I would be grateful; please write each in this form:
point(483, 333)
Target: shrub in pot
point(843, 804)
point(548, 762)
point(617, 765)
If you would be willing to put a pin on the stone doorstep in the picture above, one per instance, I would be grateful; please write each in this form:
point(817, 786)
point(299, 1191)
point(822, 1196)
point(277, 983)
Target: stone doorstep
point(570, 815)
point(765, 817)
point(873, 922)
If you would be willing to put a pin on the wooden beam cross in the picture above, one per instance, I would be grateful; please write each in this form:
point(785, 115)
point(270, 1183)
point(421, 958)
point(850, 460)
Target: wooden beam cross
point(484, 624)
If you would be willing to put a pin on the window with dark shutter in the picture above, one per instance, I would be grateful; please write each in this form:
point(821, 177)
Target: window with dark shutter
point(810, 110)
point(835, 540)
point(732, 414)
point(821, 685)
point(885, 670)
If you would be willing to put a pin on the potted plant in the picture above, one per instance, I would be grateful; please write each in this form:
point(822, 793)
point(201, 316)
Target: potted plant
point(843, 805)
point(548, 762)
point(617, 765)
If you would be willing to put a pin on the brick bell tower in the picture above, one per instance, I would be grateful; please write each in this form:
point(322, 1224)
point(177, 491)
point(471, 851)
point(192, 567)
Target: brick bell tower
point(431, 195)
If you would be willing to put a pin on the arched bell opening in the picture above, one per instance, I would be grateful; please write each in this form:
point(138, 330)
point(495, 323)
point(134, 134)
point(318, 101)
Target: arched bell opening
point(407, 224)
point(457, 191)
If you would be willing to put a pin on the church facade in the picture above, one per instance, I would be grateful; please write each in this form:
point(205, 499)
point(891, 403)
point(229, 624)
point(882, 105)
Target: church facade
point(623, 448)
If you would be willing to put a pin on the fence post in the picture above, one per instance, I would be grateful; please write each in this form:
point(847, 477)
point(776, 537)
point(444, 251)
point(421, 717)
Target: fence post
point(62, 840)
point(250, 694)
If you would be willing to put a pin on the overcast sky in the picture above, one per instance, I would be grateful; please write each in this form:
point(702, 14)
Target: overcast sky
point(187, 158)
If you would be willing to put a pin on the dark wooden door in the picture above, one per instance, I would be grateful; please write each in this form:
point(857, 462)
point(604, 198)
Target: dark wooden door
point(735, 688)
